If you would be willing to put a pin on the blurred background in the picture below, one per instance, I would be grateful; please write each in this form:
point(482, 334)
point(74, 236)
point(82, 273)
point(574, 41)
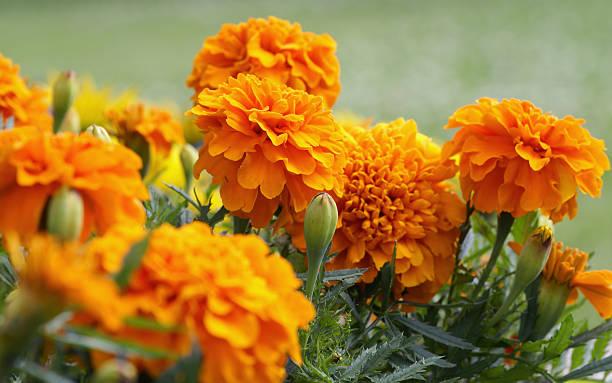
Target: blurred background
point(412, 59)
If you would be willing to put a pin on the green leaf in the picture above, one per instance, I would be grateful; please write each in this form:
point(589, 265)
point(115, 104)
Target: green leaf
point(426, 354)
point(7, 273)
point(41, 373)
point(523, 226)
point(591, 334)
point(533, 346)
point(592, 368)
point(561, 340)
point(413, 371)
point(150, 324)
point(387, 278)
point(186, 369)
point(599, 348)
point(344, 275)
point(131, 261)
point(432, 332)
point(528, 318)
point(516, 374)
point(371, 359)
point(578, 357)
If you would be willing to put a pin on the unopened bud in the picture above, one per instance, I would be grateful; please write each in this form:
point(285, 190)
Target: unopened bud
point(531, 261)
point(552, 298)
point(115, 371)
point(72, 122)
point(189, 156)
point(98, 132)
point(64, 92)
point(65, 214)
point(319, 228)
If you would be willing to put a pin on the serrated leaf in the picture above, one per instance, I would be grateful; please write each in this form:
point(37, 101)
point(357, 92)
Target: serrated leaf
point(344, 275)
point(426, 354)
point(533, 346)
point(578, 357)
point(561, 340)
point(132, 261)
point(600, 345)
point(371, 359)
point(413, 371)
point(592, 368)
point(41, 373)
point(434, 333)
point(591, 334)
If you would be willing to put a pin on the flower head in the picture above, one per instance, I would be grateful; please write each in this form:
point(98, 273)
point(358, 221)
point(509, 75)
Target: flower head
point(267, 145)
point(271, 48)
point(241, 302)
point(35, 166)
point(20, 103)
point(515, 158)
point(396, 189)
point(156, 125)
point(92, 103)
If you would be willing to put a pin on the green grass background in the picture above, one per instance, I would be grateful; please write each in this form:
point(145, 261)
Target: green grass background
point(413, 59)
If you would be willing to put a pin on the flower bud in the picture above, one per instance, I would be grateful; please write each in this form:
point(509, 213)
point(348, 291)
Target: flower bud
point(65, 214)
point(552, 298)
point(98, 132)
point(72, 122)
point(115, 371)
point(531, 261)
point(64, 92)
point(319, 228)
point(189, 156)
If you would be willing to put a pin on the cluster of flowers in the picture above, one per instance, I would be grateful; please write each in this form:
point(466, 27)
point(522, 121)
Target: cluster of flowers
point(263, 93)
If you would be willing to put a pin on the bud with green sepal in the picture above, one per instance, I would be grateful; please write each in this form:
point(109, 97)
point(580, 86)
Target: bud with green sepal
point(319, 227)
point(189, 156)
point(72, 122)
point(98, 132)
point(65, 214)
point(531, 261)
point(64, 92)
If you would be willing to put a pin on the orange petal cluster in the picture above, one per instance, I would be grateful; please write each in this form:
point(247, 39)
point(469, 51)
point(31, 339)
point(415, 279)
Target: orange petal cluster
point(396, 189)
point(274, 49)
point(515, 158)
point(20, 103)
point(241, 302)
point(55, 272)
point(566, 266)
point(34, 165)
point(156, 125)
point(267, 145)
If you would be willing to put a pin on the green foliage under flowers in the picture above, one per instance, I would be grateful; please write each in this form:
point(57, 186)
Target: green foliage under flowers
point(359, 335)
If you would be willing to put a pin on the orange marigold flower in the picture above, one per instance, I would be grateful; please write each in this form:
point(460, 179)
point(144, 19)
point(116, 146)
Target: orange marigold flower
point(53, 273)
point(34, 166)
point(396, 189)
point(156, 125)
point(515, 158)
point(240, 301)
point(566, 267)
point(267, 145)
point(21, 104)
point(271, 48)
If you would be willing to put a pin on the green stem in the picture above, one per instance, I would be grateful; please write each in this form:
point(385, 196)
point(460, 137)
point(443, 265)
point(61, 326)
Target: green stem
point(504, 224)
point(241, 225)
point(314, 265)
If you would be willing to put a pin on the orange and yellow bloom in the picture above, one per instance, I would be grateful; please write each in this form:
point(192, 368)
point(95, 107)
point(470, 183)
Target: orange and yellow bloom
point(267, 145)
point(34, 166)
point(269, 48)
point(22, 104)
point(516, 158)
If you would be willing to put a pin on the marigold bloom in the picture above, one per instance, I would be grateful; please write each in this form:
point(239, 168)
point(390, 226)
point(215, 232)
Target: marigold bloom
point(566, 267)
point(271, 48)
point(241, 302)
point(53, 273)
point(156, 125)
point(396, 189)
point(20, 103)
point(34, 166)
point(92, 103)
point(515, 158)
point(267, 145)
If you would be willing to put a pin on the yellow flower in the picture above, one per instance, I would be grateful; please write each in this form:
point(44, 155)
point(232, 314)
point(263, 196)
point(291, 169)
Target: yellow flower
point(517, 159)
point(34, 166)
point(267, 145)
point(20, 103)
point(91, 103)
point(241, 302)
point(396, 189)
point(274, 49)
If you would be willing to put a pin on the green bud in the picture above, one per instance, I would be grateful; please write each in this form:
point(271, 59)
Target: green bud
point(189, 156)
point(319, 227)
point(531, 261)
point(72, 122)
point(552, 298)
point(65, 214)
point(64, 92)
point(115, 371)
point(98, 132)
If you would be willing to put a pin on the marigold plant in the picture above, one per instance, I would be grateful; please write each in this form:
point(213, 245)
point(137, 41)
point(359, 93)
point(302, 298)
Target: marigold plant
point(267, 145)
point(270, 48)
point(34, 166)
point(20, 103)
point(515, 158)
point(236, 297)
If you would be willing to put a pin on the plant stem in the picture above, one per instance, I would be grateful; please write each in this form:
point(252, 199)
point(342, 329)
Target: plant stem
point(504, 224)
point(241, 225)
point(314, 266)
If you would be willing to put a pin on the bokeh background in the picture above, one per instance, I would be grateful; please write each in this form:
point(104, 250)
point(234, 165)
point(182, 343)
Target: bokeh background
point(413, 59)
